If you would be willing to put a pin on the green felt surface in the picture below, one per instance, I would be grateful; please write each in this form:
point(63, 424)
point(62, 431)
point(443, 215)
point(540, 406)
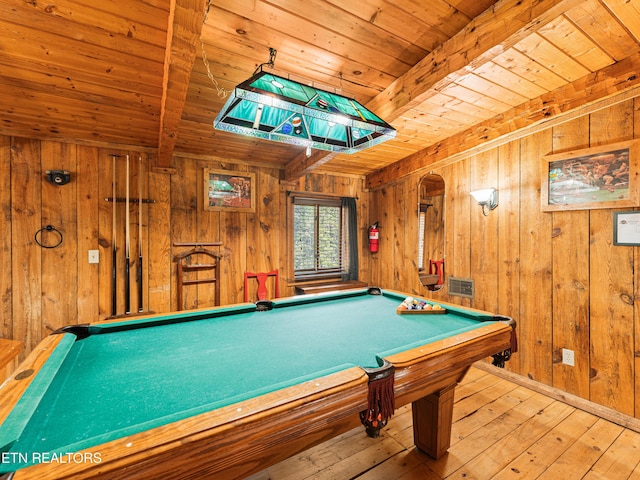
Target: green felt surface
point(123, 380)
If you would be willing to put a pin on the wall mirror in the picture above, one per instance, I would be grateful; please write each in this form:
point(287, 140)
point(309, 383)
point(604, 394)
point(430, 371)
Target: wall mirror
point(431, 259)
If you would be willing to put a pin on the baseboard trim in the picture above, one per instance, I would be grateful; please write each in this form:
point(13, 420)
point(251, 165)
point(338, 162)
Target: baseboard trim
point(588, 406)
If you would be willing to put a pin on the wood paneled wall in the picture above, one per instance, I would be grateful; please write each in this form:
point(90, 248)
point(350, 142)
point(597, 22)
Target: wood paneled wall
point(558, 274)
point(43, 289)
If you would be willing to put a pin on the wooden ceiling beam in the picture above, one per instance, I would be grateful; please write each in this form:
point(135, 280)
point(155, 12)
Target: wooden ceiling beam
point(578, 98)
point(488, 35)
point(302, 164)
point(186, 18)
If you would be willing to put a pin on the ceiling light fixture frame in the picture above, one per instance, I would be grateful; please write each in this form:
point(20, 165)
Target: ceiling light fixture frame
point(271, 107)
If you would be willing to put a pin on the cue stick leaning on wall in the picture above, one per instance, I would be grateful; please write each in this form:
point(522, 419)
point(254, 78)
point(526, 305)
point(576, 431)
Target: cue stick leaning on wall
point(127, 293)
point(114, 270)
point(139, 234)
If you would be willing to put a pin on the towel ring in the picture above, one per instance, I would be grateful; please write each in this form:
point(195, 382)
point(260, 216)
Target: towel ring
point(48, 228)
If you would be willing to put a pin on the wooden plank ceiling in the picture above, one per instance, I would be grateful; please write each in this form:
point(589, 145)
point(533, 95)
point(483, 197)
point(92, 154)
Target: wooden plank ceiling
point(132, 72)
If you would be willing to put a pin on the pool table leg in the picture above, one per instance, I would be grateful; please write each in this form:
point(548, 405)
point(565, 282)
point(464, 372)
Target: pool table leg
point(432, 417)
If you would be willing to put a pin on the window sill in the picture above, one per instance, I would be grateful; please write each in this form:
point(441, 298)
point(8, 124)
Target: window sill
point(310, 288)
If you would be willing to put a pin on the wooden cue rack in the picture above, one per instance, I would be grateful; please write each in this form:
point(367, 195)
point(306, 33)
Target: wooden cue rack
point(183, 260)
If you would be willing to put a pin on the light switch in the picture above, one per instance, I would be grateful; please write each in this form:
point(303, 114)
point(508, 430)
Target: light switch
point(94, 256)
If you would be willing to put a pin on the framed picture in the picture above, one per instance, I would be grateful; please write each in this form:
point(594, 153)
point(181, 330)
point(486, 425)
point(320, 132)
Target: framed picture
point(229, 191)
point(626, 228)
point(599, 177)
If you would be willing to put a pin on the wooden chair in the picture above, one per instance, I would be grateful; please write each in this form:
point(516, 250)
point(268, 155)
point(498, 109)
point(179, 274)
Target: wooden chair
point(184, 265)
point(262, 284)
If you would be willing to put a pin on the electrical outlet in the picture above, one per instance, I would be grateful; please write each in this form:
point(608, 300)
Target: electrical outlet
point(94, 256)
point(568, 357)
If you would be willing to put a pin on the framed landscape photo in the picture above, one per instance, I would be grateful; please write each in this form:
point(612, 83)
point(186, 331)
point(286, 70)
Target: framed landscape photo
point(229, 191)
point(598, 177)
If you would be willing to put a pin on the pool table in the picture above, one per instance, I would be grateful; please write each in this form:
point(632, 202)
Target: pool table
point(225, 392)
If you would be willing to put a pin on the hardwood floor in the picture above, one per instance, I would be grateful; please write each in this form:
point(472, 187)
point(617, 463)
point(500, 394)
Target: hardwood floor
point(501, 430)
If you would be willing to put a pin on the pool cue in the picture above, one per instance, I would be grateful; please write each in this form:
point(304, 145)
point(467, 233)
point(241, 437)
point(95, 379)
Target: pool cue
point(139, 234)
point(114, 273)
point(127, 292)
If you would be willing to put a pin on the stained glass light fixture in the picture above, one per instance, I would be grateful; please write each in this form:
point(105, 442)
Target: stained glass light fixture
point(274, 108)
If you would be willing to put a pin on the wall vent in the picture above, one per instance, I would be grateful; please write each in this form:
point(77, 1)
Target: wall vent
point(462, 287)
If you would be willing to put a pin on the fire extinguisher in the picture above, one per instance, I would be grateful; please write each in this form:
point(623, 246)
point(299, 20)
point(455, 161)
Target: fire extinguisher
point(373, 238)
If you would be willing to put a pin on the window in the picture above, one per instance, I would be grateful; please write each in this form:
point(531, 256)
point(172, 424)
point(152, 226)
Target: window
point(320, 237)
point(421, 225)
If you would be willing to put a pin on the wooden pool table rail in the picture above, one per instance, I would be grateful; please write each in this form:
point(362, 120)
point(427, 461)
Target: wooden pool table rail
point(20, 380)
point(229, 441)
point(9, 351)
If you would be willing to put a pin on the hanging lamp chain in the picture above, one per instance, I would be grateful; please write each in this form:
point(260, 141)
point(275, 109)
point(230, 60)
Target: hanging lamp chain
point(222, 92)
point(272, 60)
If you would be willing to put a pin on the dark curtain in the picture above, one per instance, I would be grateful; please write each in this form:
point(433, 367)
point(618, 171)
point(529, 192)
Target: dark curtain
point(349, 204)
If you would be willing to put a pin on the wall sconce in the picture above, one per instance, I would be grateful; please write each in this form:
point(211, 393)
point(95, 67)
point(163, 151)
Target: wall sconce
point(487, 198)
